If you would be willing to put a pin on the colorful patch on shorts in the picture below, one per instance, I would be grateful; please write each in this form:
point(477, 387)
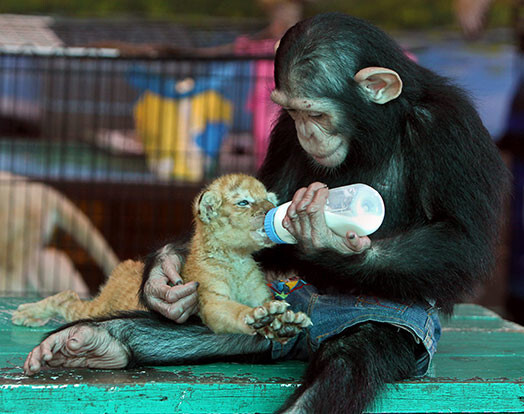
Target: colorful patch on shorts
point(282, 288)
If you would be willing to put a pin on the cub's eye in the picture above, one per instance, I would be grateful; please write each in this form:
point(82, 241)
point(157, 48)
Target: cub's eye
point(315, 114)
point(243, 203)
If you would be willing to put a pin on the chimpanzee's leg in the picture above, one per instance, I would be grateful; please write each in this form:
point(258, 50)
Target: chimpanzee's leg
point(348, 370)
point(141, 339)
point(154, 341)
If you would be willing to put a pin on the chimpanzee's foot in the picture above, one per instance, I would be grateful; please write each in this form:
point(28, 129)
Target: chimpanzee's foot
point(82, 346)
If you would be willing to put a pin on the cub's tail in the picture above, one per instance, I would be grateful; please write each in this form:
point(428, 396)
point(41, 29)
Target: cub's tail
point(120, 293)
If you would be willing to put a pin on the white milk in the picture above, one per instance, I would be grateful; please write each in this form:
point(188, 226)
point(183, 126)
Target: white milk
point(356, 207)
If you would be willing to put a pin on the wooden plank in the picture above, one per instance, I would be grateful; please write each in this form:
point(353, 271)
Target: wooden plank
point(481, 343)
point(475, 324)
point(479, 367)
point(489, 368)
point(471, 310)
point(113, 391)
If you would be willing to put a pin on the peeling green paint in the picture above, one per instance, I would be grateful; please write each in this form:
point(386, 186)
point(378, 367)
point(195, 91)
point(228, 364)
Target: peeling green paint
point(479, 367)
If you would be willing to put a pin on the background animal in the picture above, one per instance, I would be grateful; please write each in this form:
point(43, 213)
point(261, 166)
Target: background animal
point(30, 212)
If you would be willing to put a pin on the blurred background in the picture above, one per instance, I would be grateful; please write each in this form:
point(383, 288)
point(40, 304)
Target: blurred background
point(127, 108)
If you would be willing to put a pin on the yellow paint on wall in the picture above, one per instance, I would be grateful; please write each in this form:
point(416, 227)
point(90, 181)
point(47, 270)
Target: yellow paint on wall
point(168, 127)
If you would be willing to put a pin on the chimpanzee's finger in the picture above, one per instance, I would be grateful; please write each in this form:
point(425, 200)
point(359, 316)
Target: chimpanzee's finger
point(170, 266)
point(309, 196)
point(356, 243)
point(292, 209)
point(187, 313)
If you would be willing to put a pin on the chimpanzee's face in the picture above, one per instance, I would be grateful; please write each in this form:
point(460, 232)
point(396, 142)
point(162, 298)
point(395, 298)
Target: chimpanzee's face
point(314, 123)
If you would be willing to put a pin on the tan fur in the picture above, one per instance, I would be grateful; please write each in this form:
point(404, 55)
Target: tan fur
point(29, 214)
point(120, 293)
point(233, 294)
point(226, 235)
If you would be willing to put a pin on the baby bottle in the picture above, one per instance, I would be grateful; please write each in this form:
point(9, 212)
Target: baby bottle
point(356, 207)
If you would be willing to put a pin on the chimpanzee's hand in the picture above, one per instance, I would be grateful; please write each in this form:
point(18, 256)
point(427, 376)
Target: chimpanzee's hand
point(166, 293)
point(306, 222)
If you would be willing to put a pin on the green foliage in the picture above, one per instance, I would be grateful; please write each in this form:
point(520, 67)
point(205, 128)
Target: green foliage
point(151, 9)
point(409, 14)
point(390, 14)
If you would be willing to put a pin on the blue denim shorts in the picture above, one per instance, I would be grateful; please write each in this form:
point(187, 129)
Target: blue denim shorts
point(331, 314)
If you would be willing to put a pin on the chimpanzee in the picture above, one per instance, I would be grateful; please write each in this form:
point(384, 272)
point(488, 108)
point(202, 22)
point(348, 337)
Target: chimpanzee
point(355, 109)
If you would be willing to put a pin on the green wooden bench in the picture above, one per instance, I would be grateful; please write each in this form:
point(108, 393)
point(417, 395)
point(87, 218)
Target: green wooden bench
point(479, 367)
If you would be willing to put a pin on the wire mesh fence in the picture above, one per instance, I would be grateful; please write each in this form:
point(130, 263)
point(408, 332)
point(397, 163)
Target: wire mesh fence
point(126, 142)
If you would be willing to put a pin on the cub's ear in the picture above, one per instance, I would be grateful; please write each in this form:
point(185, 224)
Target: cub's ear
point(208, 206)
point(380, 85)
point(272, 198)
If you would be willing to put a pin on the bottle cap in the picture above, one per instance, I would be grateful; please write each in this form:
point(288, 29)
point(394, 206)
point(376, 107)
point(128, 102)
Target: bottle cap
point(269, 227)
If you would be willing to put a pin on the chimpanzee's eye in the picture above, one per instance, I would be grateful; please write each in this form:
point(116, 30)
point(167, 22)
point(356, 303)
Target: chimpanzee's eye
point(243, 203)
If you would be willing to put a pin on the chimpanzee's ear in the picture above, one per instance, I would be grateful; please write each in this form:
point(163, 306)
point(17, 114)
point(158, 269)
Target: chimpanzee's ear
point(380, 85)
point(208, 206)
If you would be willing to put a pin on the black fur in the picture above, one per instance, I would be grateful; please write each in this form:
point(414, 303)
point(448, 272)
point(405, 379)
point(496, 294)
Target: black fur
point(349, 370)
point(443, 183)
point(426, 152)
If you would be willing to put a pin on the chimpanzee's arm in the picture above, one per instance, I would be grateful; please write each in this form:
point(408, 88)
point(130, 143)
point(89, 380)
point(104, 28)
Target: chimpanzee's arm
point(431, 262)
point(437, 244)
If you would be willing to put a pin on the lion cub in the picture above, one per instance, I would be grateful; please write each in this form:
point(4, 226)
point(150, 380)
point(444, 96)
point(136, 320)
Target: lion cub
point(233, 294)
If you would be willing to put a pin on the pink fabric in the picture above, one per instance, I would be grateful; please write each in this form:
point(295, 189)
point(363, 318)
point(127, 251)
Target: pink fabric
point(259, 102)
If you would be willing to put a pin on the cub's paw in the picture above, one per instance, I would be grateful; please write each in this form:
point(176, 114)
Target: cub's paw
point(30, 314)
point(286, 326)
point(39, 313)
point(262, 316)
point(273, 321)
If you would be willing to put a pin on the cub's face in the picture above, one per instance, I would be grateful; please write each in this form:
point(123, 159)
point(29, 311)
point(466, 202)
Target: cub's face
point(233, 208)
